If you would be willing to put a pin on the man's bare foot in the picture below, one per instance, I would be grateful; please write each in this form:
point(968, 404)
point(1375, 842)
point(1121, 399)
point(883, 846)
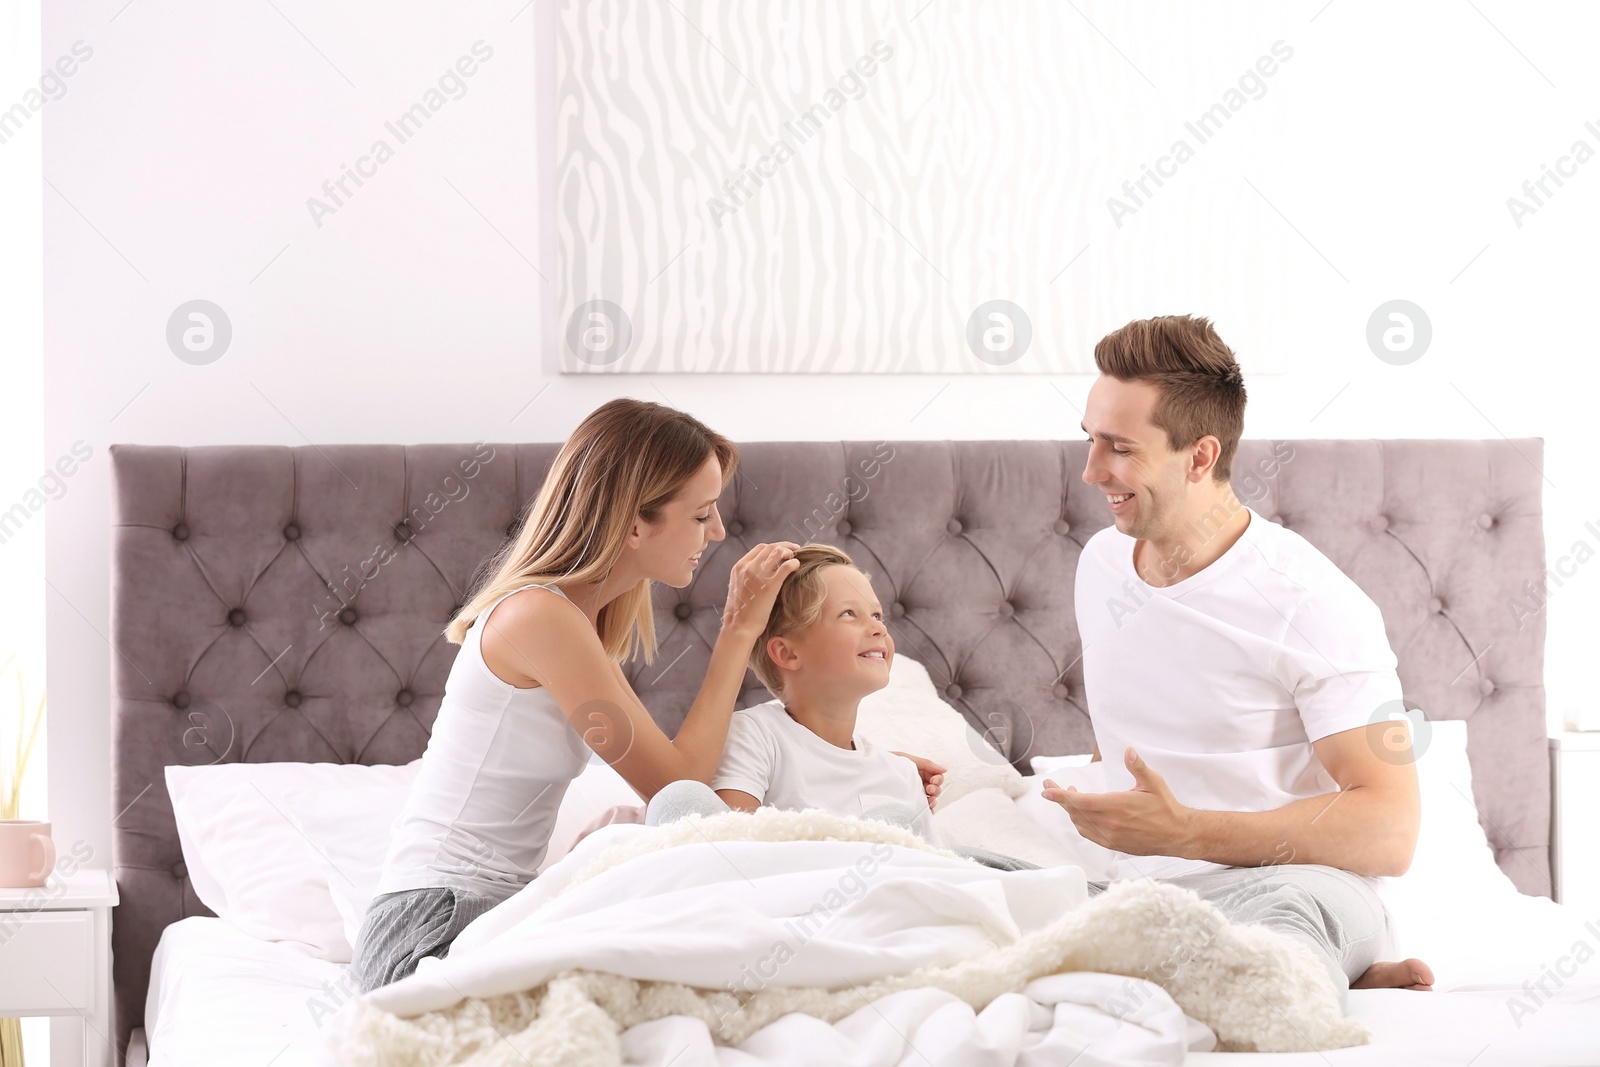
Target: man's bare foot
point(1407, 974)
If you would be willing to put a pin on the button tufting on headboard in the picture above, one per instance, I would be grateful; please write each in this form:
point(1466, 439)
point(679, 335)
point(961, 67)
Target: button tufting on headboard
point(1403, 518)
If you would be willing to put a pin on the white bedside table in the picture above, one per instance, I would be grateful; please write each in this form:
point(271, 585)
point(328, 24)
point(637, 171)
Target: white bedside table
point(1575, 825)
point(55, 959)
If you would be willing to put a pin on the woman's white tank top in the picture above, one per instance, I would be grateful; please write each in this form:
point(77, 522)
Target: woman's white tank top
point(484, 801)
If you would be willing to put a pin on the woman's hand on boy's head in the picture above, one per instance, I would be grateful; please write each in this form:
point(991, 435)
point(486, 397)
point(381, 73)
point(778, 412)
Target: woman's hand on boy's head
point(932, 776)
point(753, 586)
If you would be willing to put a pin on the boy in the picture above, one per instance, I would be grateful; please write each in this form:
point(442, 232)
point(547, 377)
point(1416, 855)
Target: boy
point(824, 648)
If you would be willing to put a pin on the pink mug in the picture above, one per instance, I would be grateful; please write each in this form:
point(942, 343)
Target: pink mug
point(27, 853)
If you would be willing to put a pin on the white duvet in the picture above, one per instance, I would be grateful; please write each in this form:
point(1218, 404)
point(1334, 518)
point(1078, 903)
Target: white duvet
point(694, 945)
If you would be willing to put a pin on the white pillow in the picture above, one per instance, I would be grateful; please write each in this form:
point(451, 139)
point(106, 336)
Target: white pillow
point(249, 862)
point(1047, 766)
point(987, 818)
point(1451, 844)
point(350, 836)
point(348, 826)
point(1096, 860)
point(1453, 876)
point(908, 715)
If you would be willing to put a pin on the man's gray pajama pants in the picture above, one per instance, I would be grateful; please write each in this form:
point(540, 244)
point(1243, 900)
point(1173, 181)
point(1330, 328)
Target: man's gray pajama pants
point(1333, 911)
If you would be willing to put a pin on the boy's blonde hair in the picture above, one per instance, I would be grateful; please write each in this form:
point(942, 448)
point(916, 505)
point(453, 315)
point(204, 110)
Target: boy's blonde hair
point(798, 606)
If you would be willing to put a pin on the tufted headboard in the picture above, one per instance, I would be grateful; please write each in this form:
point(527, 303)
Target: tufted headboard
point(272, 603)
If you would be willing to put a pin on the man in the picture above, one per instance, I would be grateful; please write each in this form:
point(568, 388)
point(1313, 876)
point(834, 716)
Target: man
point(1233, 672)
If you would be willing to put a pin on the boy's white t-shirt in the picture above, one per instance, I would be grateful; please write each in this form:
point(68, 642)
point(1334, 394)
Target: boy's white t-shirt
point(784, 765)
point(1222, 681)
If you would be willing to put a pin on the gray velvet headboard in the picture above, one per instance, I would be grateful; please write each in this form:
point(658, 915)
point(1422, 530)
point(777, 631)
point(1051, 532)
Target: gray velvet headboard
point(230, 644)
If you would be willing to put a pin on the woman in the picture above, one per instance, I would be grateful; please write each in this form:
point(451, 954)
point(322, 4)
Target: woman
point(538, 683)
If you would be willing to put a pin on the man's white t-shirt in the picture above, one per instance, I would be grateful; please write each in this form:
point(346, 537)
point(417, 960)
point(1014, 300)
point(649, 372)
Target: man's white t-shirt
point(784, 765)
point(1222, 681)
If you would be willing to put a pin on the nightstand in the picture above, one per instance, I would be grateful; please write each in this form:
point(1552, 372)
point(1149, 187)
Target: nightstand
point(55, 959)
point(1575, 819)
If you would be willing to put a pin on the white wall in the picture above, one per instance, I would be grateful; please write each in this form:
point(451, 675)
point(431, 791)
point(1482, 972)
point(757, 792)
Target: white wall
point(181, 158)
point(21, 401)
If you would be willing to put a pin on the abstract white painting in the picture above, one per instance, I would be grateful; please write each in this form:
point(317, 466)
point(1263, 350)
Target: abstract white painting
point(931, 187)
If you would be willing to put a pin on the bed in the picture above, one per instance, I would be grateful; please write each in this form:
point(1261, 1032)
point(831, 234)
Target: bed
point(283, 605)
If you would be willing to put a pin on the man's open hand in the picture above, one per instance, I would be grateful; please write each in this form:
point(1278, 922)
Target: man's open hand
point(1143, 821)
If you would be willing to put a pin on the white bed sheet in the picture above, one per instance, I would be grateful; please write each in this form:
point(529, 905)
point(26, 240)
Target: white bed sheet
point(218, 996)
point(1454, 1029)
point(1487, 947)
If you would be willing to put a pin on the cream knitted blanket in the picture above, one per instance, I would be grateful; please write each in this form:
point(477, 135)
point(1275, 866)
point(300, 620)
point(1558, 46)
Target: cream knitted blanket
point(1257, 990)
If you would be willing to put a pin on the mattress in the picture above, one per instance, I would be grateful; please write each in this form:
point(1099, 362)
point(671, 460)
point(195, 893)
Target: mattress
point(1518, 982)
point(220, 997)
point(1453, 1029)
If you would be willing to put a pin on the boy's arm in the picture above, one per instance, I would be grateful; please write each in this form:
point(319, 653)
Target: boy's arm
point(738, 799)
point(745, 771)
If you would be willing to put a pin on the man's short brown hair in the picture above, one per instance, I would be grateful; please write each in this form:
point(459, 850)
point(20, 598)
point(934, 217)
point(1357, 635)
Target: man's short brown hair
point(798, 606)
point(1201, 389)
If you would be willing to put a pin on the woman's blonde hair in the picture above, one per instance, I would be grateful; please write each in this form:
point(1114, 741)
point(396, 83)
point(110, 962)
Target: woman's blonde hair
point(798, 606)
point(624, 462)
